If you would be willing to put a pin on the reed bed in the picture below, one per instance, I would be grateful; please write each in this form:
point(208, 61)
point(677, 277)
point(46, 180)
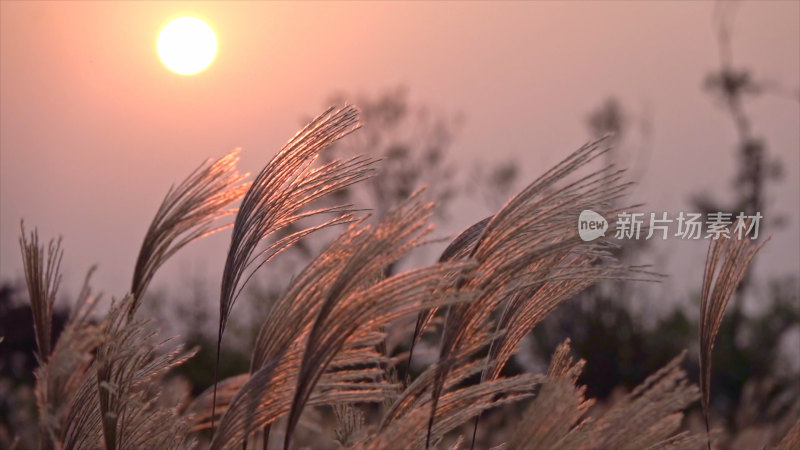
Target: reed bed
point(320, 346)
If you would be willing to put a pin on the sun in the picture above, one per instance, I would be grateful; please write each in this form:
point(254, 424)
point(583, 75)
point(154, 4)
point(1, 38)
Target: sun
point(187, 45)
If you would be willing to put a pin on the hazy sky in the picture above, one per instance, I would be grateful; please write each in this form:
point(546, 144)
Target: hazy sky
point(94, 129)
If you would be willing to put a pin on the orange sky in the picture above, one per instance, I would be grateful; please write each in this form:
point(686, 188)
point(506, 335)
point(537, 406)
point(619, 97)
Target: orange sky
point(94, 129)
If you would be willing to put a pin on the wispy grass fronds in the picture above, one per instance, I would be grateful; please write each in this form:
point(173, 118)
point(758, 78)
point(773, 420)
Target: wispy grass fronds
point(288, 183)
point(285, 185)
point(355, 298)
point(43, 277)
point(117, 404)
point(112, 396)
point(531, 258)
point(463, 245)
point(563, 365)
point(188, 212)
point(557, 409)
point(328, 317)
point(650, 416)
point(346, 372)
point(417, 394)
point(455, 408)
point(349, 423)
point(458, 249)
point(127, 363)
point(84, 424)
point(395, 297)
point(59, 378)
point(726, 265)
point(267, 395)
point(199, 410)
point(527, 307)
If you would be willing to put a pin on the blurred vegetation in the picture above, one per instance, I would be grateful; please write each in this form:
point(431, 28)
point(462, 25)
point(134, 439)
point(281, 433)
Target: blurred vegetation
point(620, 349)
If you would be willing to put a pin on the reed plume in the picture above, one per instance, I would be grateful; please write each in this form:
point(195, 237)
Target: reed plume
point(275, 199)
point(43, 277)
point(188, 212)
point(726, 265)
point(530, 259)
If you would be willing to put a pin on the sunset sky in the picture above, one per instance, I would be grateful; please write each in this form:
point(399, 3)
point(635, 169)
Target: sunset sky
point(94, 128)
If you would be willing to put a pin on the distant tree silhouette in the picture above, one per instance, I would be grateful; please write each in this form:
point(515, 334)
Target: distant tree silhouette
point(731, 87)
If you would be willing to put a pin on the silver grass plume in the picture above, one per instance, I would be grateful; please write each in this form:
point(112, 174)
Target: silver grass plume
point(726, 265)
point(43, 277)
point(188, 212)
point(320, 328)
point(274, 201)
point(285, 185)
point(402, 229)
point(648, 417)
point(349, 423)
point(557, 409)
point(457, 406)
point(531, 258)
point(117, 403)
point(84, 422)
point(348, 379)
point(59, 378)
point(418, 392)
point(458, 249)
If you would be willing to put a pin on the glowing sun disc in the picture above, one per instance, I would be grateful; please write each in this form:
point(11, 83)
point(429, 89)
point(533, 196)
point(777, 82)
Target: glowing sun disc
point(187, 45)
